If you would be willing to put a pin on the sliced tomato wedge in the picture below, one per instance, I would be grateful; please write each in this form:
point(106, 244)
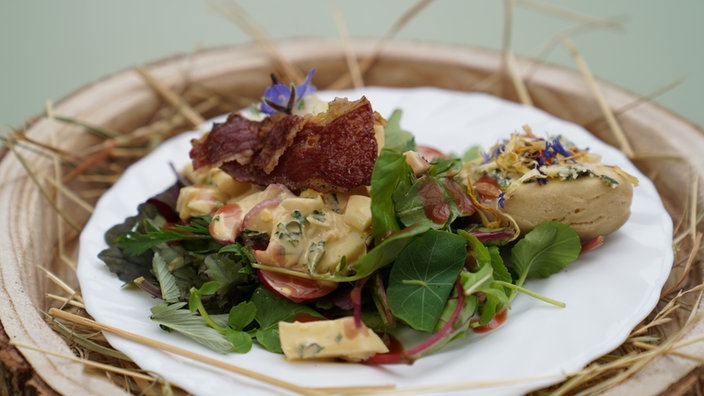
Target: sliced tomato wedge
point(430, 153)
point(487, 187)
point(295, 288)
point(493, 324)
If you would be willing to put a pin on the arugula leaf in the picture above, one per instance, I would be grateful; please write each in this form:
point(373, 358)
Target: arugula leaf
point(175, 317)
point(396, 138)
point(382, 254)
point(423, 276)
point(468, 310)
point(411, 205)
point(487, 255)
point(430, 191)
point(445, 167)
point(501, 273)
point(391, 173)
point(489, 278)
point(544, 251)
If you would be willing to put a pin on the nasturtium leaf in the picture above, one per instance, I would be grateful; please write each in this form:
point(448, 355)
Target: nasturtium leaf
point(423, 276)
point(544, 251)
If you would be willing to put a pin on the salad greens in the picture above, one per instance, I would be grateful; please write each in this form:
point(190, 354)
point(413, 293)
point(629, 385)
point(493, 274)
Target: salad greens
point(432, 265)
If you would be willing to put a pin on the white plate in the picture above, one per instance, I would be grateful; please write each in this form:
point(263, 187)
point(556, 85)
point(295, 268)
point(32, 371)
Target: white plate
point(607, 291)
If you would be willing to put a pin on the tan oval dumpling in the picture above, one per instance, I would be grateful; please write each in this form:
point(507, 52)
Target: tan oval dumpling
point(589, 205)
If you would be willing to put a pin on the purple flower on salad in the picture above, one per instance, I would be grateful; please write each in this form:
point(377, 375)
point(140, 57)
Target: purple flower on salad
point(557, 147)
point(282, 97)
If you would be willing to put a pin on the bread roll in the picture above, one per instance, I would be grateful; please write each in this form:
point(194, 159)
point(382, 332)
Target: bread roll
point(536, 180)
point(589, 205)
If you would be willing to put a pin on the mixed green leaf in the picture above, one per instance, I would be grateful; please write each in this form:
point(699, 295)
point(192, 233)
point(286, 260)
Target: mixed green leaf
point(427, 266)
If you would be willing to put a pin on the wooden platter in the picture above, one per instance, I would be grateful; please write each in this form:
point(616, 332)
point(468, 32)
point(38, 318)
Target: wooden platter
point(36, 244)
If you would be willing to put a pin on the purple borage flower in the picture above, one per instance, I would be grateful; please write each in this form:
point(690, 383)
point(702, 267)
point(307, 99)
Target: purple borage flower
point(282, 97)
point(502, 199)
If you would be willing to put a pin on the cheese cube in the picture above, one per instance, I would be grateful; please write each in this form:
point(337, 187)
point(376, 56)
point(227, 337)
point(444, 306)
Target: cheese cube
point(339, 338)
point(359, 212)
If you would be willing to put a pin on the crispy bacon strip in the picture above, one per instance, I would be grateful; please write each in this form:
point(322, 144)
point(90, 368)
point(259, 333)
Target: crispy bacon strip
point(240, 139)
point(333, 151)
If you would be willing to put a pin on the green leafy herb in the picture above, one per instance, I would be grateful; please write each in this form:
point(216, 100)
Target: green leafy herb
point(136, 243)
point(423, 277)
point(391, 173)
point(175, 317)
point(170, 292)
point(382, 254)
point(544, 251)
point(241, 341)
point(396, 138)
point(271, 309)
point(269, 339)
point(472, 153)
point(241, 315)
point(425, 271)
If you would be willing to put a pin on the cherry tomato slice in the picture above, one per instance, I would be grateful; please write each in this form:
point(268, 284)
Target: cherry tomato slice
point(487, 187)
point(494, 323)
point(430, 153)
point(295, 288)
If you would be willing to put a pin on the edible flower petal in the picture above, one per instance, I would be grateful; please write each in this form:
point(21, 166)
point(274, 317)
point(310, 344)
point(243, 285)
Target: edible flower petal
point(282, 97)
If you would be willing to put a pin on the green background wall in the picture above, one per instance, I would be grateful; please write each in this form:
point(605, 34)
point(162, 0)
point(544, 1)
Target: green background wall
point(49, 48)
